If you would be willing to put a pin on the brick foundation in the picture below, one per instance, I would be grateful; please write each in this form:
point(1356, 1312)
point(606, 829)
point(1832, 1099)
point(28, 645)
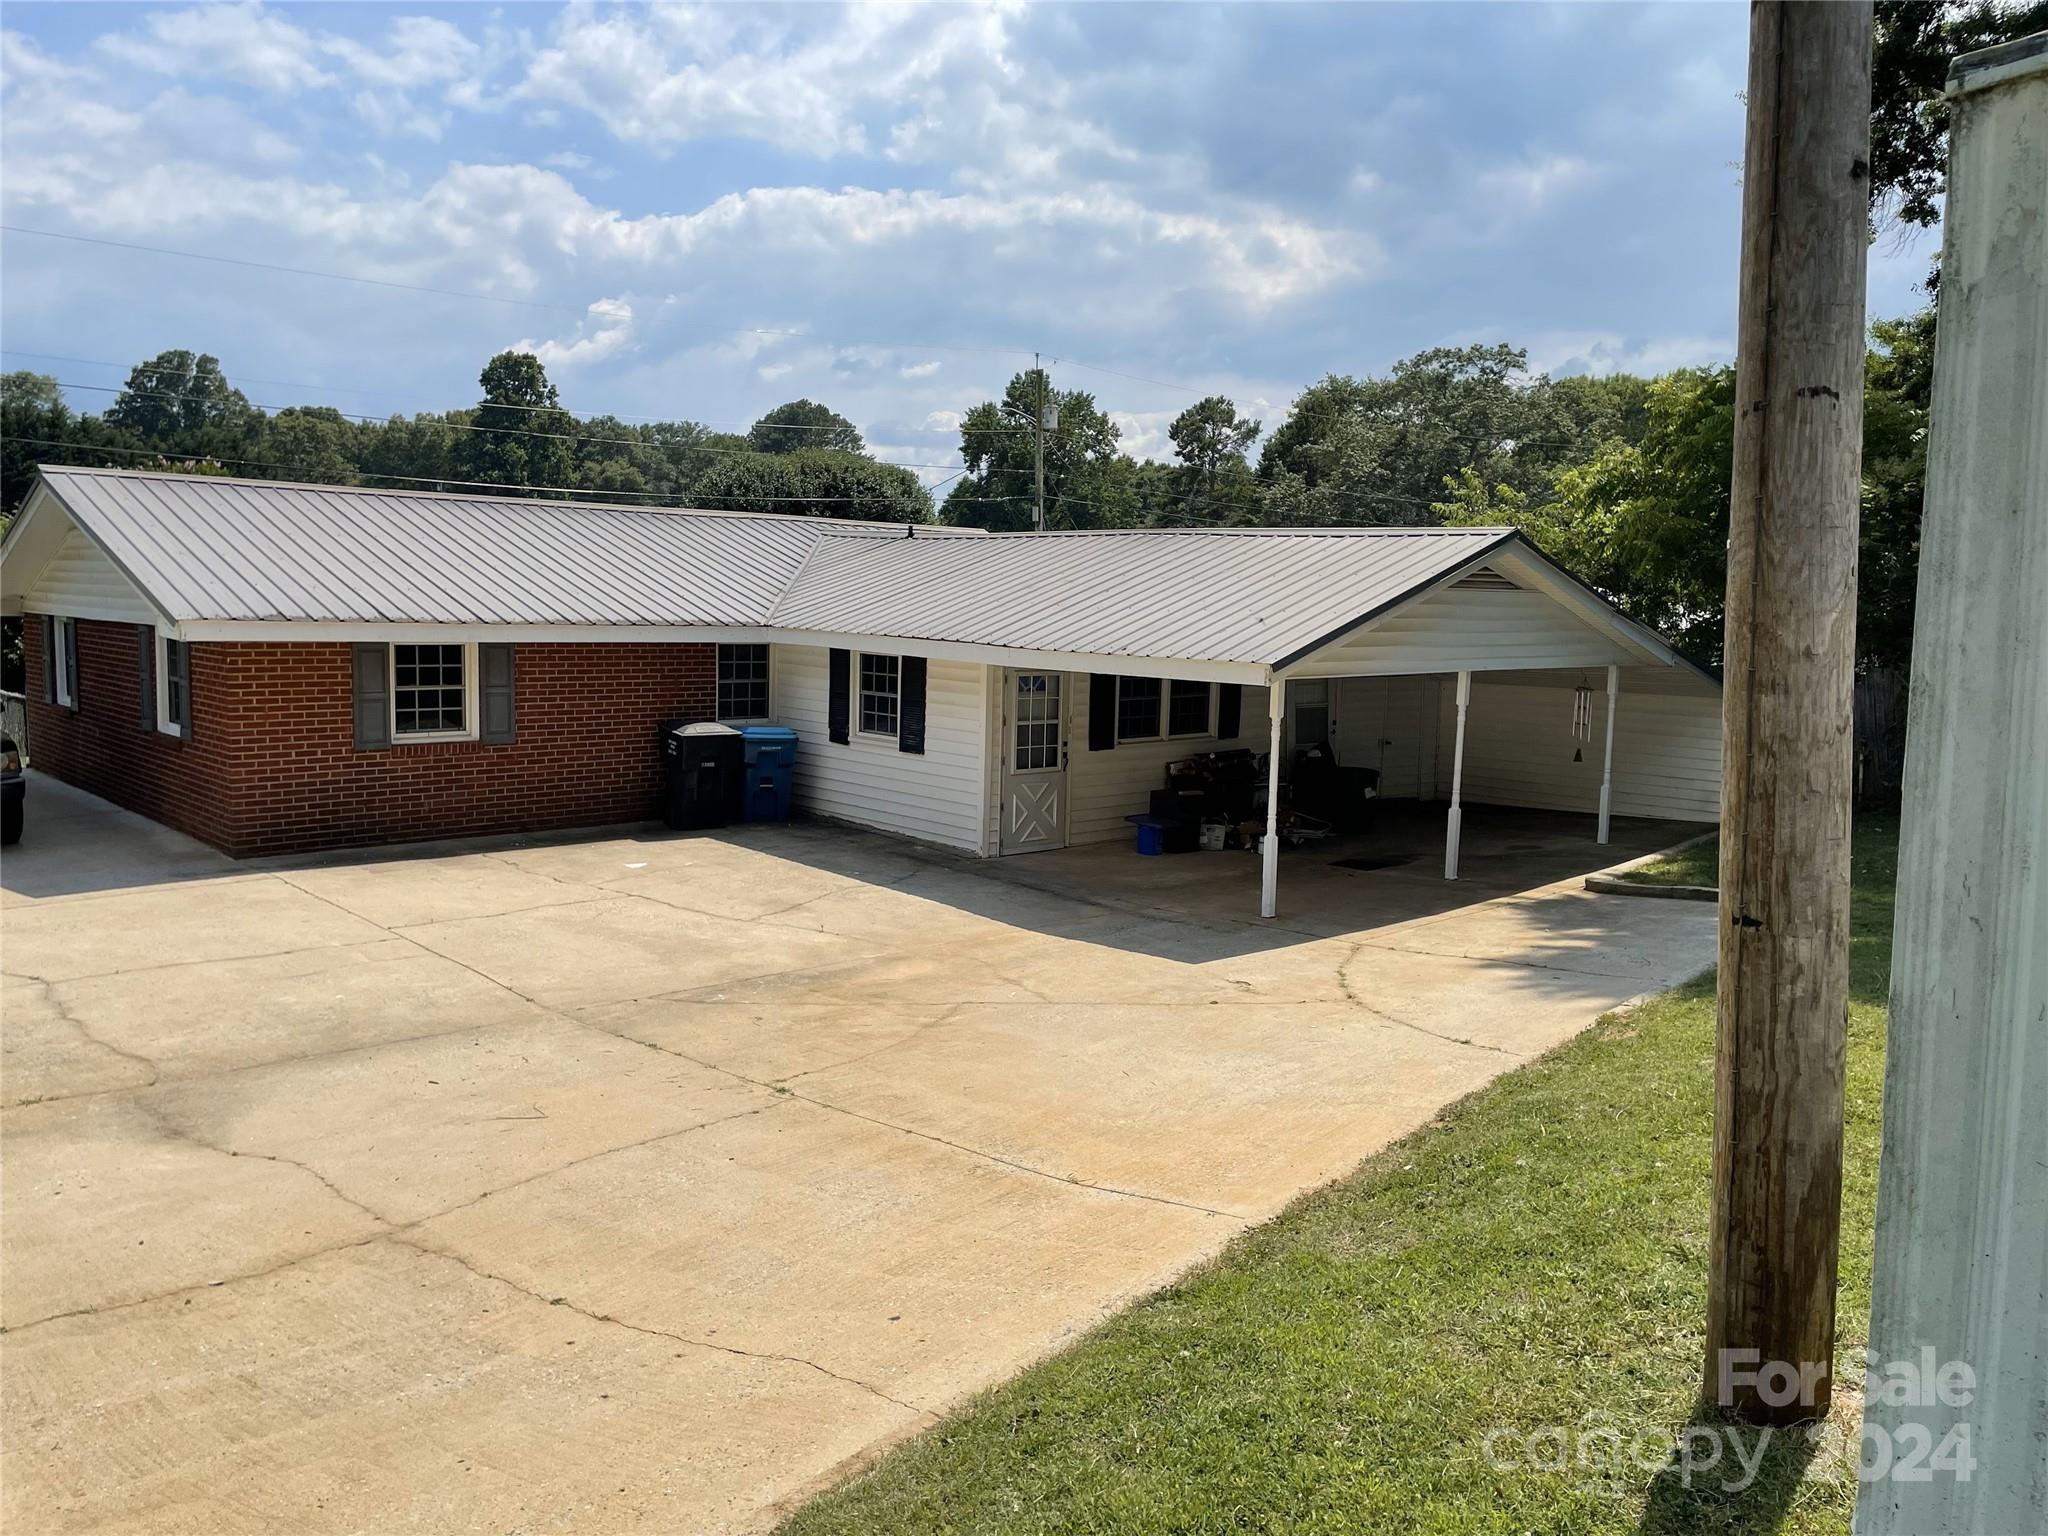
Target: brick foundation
point(272, 766)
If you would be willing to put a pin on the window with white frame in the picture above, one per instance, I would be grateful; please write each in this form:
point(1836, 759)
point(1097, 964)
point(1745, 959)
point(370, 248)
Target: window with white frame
point(743, 682)
point(173, 685)
point(431, 694)
point(1137, 708)
point(881, 684)
point(64, 661)
point(1188, 707)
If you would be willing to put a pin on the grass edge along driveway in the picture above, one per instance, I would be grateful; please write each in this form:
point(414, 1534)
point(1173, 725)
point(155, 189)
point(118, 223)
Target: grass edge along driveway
point(1533, 1264)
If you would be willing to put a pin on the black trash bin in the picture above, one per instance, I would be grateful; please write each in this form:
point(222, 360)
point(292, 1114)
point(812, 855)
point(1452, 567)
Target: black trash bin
point(701, 774)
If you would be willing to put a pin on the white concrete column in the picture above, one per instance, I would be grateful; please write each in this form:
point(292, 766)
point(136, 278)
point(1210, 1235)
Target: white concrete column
point(1607, 763)
point(1456, 823)
point(1269, 861)
point(1960, 1263)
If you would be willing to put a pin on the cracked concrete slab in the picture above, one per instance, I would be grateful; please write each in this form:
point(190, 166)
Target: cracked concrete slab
point(620, 947)
point(425, 1125)
point(638, 1182)
point(106, 1207)
point(386, 1389)
point(173, 925)
point(195, 1020)
point(882, 1256)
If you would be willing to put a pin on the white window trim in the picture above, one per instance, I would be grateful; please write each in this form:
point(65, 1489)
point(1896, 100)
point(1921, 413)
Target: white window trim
point(860, 692)
point(471, 693)
point(1166, 711)
point(163, 686)
point(63, 646)
point(762, 719)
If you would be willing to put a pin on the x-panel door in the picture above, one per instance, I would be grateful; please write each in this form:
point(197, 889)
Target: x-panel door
point(1034, 787)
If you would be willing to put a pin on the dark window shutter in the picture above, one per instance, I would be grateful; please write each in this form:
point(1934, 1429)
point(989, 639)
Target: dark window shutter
point(181, 669)
point(145, 673)
point(838, 710)
point(910, 706)
point(495, 670)
point(49, 660)
point(373, 697)
point(1229, 710)
point(1101, 712)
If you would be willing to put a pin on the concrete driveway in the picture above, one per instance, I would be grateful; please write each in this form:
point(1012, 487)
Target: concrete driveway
point(645, 1184)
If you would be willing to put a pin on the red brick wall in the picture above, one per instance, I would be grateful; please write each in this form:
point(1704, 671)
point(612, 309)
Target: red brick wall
point(276, 766)
point(103, 746)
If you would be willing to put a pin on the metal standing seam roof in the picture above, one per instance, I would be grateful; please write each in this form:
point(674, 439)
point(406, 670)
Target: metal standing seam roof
point(1247, 595)
point(207, 547)
point(204, 548)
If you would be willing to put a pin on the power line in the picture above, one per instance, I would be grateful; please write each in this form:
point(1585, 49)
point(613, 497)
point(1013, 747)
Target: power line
point(270, 266)
point(567, 492)
point(457, 426)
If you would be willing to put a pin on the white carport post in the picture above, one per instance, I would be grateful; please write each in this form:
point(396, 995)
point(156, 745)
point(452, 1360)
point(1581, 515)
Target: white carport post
point(1269, 859)
point(1607, 763)
point(1457, 816)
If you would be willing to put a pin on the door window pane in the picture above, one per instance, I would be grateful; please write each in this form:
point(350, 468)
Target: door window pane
point(1036, 729)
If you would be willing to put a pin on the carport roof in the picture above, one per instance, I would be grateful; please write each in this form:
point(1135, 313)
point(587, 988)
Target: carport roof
point(209, 551)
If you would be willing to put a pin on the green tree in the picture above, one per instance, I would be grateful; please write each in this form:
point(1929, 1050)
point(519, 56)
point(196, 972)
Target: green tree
point(178, 398)
point(1089, 483)
point(804, 424)
point(521, 435)
point(1897, 393)
point(309, 442)
point(1914, 42)
point(814, 482)
point(1211, 440)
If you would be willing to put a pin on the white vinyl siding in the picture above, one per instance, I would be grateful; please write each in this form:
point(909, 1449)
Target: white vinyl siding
point(1390, 723)
point(1519, 746)
point(1470, 629)
point(1105, 787)
point(936, 797)
point(81, 581)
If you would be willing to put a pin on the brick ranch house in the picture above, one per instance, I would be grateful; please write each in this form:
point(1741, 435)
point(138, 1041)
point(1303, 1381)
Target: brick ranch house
point(274, 667)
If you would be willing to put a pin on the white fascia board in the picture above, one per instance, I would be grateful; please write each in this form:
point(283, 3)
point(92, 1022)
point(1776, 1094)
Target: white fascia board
point(288, 632)
point(34, 539)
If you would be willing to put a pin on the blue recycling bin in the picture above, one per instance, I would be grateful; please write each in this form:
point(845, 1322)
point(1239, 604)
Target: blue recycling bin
point(769, 777)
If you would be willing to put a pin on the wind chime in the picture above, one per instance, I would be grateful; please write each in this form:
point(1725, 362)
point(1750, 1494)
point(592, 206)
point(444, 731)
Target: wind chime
point(1582, 719)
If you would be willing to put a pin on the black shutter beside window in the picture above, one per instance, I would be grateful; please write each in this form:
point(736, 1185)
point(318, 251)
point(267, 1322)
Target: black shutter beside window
point(838, 711)
point(1101, 712)
point(910, 706)
point(498, 718)
point(145, 673)
point(1229, 710)
point(181, 670)
point(372, 663)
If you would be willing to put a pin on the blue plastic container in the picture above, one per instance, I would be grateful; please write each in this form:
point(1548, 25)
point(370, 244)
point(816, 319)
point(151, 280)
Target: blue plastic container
point(1151, 833)
point(769, 777)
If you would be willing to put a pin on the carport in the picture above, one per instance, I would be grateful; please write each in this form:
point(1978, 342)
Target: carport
point(1514, 617)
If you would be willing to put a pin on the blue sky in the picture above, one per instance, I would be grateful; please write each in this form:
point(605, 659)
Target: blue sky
point(1237, 199)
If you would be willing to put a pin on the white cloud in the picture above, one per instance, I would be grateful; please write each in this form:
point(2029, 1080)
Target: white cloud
point(567, 160)
point(1534, 183)
point(919, 370)
point(605, 331)
point(1603, 352)
point(242, 42)
point(772, 371)
point(942, 421)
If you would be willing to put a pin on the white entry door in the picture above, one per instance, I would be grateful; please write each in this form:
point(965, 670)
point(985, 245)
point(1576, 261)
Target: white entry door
point(1034, 763)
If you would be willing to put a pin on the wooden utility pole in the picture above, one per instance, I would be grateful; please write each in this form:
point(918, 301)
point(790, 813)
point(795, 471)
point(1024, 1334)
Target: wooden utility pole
point(1787, 738)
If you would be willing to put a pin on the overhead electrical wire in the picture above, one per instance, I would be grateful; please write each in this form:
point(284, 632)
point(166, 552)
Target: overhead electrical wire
point(563, 492)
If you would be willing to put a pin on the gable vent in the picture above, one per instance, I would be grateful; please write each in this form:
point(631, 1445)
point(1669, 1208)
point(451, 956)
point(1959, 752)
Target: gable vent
point(1485, 579)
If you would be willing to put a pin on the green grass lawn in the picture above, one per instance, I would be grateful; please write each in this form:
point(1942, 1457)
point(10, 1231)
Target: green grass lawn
point(1698, 865)
point(1536, 1257)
